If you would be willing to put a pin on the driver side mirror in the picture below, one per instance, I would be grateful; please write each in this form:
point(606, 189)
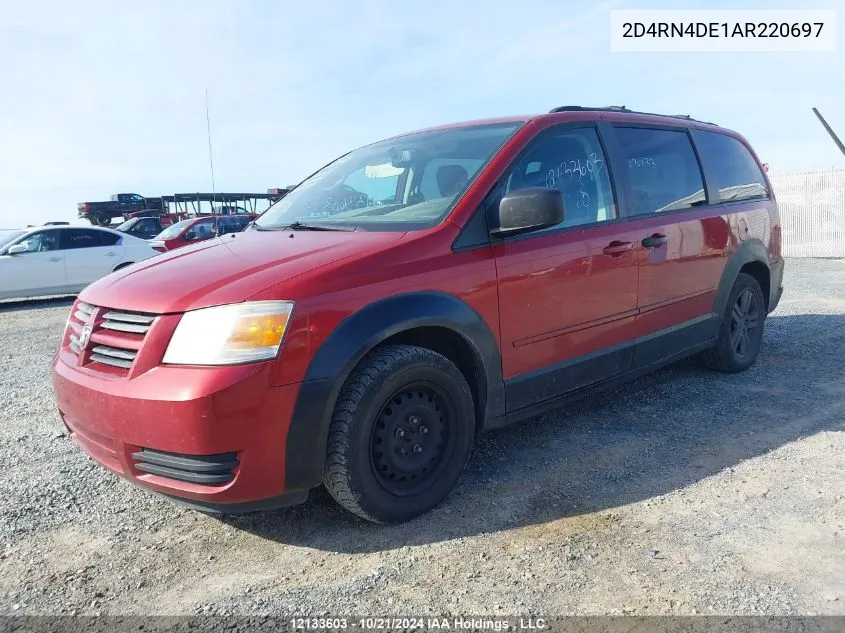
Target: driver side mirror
point(17, 249)
point(529, 209)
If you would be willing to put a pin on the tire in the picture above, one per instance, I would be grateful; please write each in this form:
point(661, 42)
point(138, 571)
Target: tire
point(741, 330)
point(103, 219)
point(123, 265)
point(415, 406)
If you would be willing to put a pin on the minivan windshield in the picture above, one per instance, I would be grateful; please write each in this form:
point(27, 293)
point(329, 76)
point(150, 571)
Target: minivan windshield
point(401, 184)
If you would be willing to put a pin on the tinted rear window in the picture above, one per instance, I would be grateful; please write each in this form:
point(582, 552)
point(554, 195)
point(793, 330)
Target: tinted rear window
point(731, 167)
point(663, 171)
point(87, 238)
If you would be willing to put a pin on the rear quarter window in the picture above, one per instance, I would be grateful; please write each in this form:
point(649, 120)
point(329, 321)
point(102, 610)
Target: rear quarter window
point(730, 167)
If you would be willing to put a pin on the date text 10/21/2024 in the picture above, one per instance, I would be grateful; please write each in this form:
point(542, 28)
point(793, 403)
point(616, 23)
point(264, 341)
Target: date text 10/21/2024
point(427, 623)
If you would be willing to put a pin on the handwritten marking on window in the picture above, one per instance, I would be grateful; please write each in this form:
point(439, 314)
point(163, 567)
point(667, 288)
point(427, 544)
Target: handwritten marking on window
point(643, 161)
point(583, 200)
point(575, 169)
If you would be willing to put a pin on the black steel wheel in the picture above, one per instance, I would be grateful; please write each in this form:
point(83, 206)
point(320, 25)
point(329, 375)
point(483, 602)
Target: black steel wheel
point(741, 330)
point(411, 439)
point(400, 435)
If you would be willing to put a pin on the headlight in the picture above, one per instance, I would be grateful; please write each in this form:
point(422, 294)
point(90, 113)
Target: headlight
point(229, 334)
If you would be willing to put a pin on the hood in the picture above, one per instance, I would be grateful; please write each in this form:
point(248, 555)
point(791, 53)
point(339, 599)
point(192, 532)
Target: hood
point(228, 269)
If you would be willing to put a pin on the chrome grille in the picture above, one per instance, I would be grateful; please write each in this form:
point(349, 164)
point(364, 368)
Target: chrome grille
point(134, 322)
point(116, 338)
point(113, 356)
point(83, 312)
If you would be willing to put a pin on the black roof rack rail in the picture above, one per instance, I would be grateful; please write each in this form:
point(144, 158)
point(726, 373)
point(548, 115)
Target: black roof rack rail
point(575, 108)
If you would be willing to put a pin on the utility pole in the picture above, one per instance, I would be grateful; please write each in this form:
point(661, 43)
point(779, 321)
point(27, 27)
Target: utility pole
point(830, 131)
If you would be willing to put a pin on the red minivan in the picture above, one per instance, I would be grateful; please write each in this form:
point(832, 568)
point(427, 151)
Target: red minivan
point(415, 292)
point(198, 229)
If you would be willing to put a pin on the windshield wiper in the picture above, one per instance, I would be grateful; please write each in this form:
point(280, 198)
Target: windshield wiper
point(301, 226)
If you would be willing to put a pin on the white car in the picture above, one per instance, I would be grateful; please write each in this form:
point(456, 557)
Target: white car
point(55, 260)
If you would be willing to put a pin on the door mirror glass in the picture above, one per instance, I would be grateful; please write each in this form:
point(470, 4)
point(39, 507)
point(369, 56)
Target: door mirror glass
point(529, 209)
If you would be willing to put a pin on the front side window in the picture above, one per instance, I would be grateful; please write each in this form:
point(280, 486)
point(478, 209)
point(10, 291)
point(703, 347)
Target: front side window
point(663, 172)
point(146, 226)
point(732, 168)
point(173, 230)
point(571, 161)
point(202, 230)
point(41, 242)
point(405, 183)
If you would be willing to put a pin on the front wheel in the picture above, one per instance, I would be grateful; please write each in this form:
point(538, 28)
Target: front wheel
point(400, 436)
point(741, 330)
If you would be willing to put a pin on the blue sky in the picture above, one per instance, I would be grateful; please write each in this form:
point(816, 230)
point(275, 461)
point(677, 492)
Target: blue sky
point(106, 97)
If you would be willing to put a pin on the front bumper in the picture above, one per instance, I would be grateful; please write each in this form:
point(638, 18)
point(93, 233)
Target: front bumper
point(187, 411)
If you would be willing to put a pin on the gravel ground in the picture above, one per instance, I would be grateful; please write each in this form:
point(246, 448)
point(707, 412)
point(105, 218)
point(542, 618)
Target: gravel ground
point(685, 492)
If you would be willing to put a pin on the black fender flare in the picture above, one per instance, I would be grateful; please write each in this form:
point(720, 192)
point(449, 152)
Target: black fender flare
point(752, 250)
point(334, 360)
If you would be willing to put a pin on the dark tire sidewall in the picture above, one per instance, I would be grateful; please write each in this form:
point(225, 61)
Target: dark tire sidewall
point(373, 497)
point(743, 282)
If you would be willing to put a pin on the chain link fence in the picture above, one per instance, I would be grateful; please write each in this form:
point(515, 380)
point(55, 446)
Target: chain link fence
point(812, 210)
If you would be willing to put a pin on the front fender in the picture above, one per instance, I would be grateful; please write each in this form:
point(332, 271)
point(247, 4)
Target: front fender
point(344, 348)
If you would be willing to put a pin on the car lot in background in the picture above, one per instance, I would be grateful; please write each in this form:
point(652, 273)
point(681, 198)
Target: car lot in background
point(198, 229)
point(52, 260)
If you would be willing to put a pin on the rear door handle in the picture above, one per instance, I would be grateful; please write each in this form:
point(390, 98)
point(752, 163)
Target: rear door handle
point(111, 254)
point(655, 240)
point(617, 248)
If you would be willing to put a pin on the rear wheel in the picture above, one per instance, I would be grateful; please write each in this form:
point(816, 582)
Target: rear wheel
point(123, 265)
point(103, 219)
point(400, 434)
point(741, 331)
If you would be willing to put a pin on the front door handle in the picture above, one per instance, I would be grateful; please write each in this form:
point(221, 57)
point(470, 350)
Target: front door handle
point(54, 259)
point(111, 254)
point(655, 240)
point(617, 248)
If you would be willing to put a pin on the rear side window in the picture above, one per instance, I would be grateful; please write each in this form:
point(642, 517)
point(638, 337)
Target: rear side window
point(663, 172)
point(107, 239)
point(731, 167)
point(87, 238)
